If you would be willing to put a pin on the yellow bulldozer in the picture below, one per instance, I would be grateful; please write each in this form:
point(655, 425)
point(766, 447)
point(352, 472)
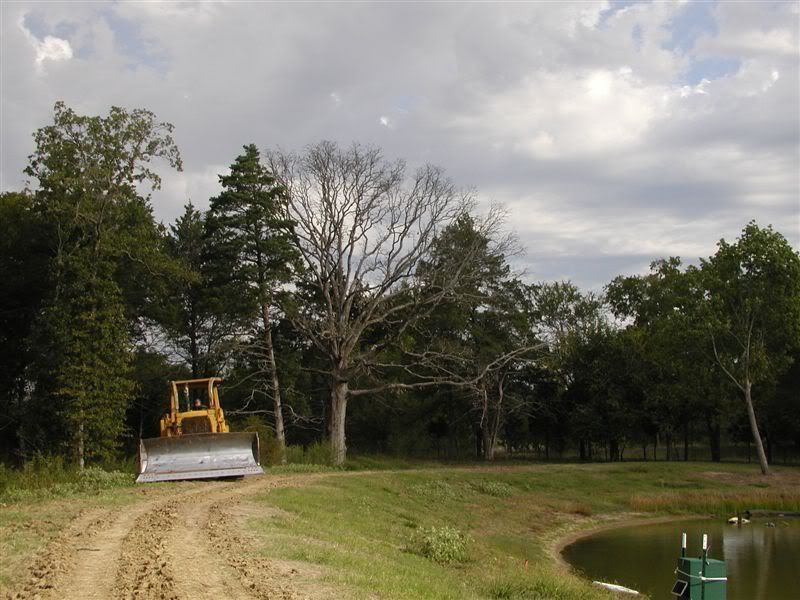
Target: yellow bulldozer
point(196, 443)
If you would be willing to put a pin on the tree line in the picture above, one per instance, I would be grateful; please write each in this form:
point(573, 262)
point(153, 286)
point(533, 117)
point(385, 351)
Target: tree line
point(349, 299)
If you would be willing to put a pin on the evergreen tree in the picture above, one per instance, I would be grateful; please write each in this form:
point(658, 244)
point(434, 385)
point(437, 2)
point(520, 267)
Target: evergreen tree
point(198, 326)
point(23, 263)
point(251, 258)
point(480, 337)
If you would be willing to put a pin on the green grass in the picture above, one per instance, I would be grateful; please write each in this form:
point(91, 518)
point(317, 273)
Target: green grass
point(484, 532)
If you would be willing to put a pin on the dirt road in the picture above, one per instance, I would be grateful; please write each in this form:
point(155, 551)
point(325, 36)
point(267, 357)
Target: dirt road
point(174, 542)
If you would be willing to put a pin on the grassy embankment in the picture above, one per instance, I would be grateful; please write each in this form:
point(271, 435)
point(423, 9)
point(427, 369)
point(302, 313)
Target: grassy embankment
point(487, 532)
point(431, 531)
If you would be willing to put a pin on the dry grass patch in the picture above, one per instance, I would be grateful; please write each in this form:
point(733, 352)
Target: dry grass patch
point(716, 501)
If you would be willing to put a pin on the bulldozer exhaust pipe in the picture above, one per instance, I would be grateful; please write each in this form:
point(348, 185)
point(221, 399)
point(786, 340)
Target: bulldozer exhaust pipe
point(199, 456)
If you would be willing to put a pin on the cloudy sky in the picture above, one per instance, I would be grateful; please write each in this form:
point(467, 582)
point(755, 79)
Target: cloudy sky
point(614, 132)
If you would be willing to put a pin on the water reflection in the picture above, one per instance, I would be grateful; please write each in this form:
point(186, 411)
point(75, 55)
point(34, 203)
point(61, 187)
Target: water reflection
point(763, 562)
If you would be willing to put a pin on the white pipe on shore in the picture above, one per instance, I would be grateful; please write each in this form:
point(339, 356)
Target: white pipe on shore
point(616, 588)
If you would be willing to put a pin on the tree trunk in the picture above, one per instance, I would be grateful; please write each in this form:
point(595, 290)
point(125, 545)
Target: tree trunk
point(193, 349)
point(751, 414)
point(686, 441)
point(613, 450)
point(280, 434)
point(768, 437)
point(21, 445)
point(490, 431)
point(715, 441)
point(338, 411)
point(488, 443)
point(491, 425)
point(81, 449)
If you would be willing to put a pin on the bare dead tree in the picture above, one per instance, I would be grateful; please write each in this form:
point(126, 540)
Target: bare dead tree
point(362, 228)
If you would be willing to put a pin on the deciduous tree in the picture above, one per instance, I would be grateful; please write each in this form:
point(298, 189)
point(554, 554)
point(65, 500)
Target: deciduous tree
point(363, 226)
point(753, 290)
point(90, 171)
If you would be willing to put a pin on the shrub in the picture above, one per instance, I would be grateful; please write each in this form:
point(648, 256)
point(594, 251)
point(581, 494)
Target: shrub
point(318, 453)
point(498, 489)
point(444, 545)
point(269, 448)
point(538, 585)
point(434, 490)
point(93, 479)
point(48, 477)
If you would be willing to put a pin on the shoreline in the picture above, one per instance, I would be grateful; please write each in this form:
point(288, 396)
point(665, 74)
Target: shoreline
point(556, 547)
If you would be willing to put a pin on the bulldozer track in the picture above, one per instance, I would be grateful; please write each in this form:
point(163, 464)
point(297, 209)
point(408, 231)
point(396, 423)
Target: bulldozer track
point(52, 564)
point(260, 577)
point(179, 541)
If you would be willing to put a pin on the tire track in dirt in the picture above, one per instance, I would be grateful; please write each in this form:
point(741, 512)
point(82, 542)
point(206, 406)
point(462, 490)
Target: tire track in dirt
point(52, 564)
point(142, 569)
point(166, 553)
point(80, 562)
point(256, 574)
point(261, 577)
point(173, 544)
point(198, 571)
point(90, 578)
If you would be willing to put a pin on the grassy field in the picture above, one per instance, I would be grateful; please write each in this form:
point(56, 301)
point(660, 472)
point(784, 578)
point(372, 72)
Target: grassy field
point(398, 529)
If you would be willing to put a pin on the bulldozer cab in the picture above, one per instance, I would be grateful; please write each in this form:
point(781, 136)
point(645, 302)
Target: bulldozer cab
point(195, 441)
point(194, 408)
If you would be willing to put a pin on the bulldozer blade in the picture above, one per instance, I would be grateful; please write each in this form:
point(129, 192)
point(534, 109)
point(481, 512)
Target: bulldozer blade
point(198, 456)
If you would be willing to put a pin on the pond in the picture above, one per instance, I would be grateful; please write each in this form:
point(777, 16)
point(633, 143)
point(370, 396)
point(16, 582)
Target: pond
point(763, 562)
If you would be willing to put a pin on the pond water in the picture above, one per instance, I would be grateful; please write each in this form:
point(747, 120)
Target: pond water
point(763, 562)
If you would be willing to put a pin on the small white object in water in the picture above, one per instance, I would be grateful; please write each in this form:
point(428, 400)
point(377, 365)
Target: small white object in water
point(616, 588)
point(738, 521)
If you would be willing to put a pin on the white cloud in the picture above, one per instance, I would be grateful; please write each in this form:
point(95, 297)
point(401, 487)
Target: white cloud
point(53, 48)
point(579, 118)
point(50, 48)
point(197, 186)
point(599, 85)
point(566, 114)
